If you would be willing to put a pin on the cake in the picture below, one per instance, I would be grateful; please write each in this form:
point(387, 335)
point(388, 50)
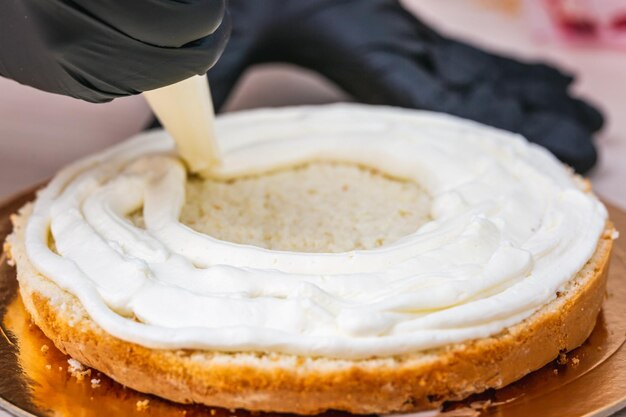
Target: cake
point(347, 257)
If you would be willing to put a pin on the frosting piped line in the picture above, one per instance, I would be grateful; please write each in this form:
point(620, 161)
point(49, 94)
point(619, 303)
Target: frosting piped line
point(509, 227)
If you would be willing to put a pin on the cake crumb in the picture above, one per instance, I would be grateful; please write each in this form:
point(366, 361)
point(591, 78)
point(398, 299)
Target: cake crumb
point(44, 349)
point(555, 371)
point(481, 405)
point(77, 370)
point(48, 367)
point(212, 411)
point(142, 405)
point(6, 249)
point(562, 359)
point(95, 383)
point(74, 365)
point(575, 361)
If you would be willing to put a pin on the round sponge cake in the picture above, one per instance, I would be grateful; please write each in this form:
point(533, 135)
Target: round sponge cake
point(317, 207)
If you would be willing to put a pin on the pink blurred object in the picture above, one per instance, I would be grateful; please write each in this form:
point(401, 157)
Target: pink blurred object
point(579, 21)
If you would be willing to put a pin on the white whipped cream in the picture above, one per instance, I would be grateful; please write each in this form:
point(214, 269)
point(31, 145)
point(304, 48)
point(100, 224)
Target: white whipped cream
point(510, 227)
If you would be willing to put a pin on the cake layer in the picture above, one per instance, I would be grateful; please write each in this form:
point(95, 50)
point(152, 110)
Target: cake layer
point(509, 227)
point(307, 385)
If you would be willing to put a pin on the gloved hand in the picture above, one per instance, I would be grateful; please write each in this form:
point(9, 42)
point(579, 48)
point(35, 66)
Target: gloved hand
point(381, 54)
point(97, 50)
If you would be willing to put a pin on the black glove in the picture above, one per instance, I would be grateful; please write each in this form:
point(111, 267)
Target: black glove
point(97, 50)
point(381, 54)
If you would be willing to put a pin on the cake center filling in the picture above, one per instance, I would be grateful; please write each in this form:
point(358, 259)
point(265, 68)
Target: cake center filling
point(317, 207)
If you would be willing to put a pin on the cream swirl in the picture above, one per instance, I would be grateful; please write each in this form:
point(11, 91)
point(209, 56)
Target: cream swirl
point(509, 228)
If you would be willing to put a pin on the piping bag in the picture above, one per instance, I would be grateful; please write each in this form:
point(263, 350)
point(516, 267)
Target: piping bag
point(185, 109)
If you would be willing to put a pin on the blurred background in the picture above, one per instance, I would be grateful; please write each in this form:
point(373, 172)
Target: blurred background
point(40, 132)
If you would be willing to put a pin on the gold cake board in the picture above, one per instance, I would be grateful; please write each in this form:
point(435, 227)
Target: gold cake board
point(35, 379)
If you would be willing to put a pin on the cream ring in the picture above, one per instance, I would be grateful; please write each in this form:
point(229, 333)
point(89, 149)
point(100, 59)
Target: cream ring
point(510, 227)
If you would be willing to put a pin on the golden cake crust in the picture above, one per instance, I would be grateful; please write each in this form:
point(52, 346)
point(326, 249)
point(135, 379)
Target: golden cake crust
point(288, 383)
